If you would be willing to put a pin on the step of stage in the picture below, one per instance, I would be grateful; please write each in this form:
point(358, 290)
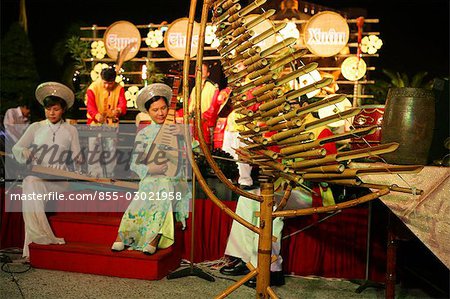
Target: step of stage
point(99, 259)
point(86, 227)
point(89, 237)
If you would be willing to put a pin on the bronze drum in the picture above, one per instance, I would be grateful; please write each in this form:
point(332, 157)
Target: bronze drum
point(409, 120)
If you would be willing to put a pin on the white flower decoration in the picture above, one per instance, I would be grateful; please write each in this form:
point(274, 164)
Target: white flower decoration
point(154, 38)
point(289, 31)
point(210, 36)
point(98, 49)
point(131, 96)
point(371, 44)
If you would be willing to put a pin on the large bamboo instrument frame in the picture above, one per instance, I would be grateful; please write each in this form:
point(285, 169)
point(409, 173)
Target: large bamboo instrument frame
point(268, 163)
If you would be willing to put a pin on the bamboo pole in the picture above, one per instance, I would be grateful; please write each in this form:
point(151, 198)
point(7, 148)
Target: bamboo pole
point(206, 152)
point(343, 205)
point(265, 240)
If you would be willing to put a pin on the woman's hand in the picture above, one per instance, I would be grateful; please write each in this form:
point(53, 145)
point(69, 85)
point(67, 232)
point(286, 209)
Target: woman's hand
point(176, 129)
point(27, 154)
point(157, 168)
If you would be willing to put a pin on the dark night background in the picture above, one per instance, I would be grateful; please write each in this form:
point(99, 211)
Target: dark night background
point(415, 33)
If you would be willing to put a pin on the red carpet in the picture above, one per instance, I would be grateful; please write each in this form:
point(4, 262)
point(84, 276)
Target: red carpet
point(89, 238)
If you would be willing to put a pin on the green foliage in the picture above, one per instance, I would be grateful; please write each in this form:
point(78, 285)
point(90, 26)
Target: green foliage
point(19, 75)
point(396, 79)
point(79, 51)
point(154, 75)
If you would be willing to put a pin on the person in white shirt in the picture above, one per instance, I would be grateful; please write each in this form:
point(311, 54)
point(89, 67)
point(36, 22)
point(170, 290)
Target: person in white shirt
point(46, 143)
point(16, 121)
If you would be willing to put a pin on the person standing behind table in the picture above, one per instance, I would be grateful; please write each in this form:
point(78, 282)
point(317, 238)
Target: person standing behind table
point(210, 90)
point(148, 224)
point(46, 143)
point(106, 102)
point(16, 121)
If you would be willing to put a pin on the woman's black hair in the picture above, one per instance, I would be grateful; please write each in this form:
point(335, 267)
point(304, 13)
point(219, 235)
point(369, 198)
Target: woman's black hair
point(54, 100)
point(154, 99)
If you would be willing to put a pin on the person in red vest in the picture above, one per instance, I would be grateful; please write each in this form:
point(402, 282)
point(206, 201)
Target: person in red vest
point(106, 102)
point(209, 92)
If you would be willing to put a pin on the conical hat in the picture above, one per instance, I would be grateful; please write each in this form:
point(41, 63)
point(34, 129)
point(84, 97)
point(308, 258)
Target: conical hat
point(54, 89)
point(150, 91)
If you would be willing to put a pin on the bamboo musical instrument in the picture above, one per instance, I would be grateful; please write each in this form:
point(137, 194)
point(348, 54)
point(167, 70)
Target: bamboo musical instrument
point(345, 156)
point(74, 176)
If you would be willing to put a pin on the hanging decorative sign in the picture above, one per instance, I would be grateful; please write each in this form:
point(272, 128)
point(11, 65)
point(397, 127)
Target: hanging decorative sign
point(326, 34)
point(118, 36)
point(175, 38)
point(353, 68)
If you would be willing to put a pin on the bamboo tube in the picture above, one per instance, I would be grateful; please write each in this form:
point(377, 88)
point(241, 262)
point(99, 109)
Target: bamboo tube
point(266, 79)
point(288, 58)
point(259, 38)
point(290, 150)
point(297, 179)
point(236, 285)
point(332, 118)
point(254, 22)
point(286, 134)
point(242, 74)
point(246, 10)
point(284, 199)
point(275, 111)
point(278, 46)
point(339, 168)
point(392, 188)
point(245, 112)
point(268, 96)
point(346, 182)
point(295, 123)
point(259, 73)
point(245, 55)
point(239, 40)
point(272, 104)
point(320, 142)
point(305, 110)
point(227, 4)
point(253, 127)
point(265, 238)
point(284, 117)
point(285, 79)
point(248, 133)
point(350, 155)
point(271, 293)
point(320, 152)
point(343, 205)
point(308, 136)
point(236, 25)
point(233, 9)
point(273, 155)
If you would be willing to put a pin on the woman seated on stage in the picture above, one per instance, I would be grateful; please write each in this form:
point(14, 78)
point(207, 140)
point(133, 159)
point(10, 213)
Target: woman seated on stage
point(46, 143)
point(148, 223)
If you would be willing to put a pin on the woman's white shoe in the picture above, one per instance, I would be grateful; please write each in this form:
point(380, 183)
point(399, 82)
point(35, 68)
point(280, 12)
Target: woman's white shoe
point(118, 246)
point(149, 249)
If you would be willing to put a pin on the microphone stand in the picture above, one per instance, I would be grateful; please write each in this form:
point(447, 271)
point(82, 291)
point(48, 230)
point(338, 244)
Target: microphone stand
point(192, 270)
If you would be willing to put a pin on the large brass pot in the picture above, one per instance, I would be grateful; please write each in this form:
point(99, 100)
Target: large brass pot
point(409, 120)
